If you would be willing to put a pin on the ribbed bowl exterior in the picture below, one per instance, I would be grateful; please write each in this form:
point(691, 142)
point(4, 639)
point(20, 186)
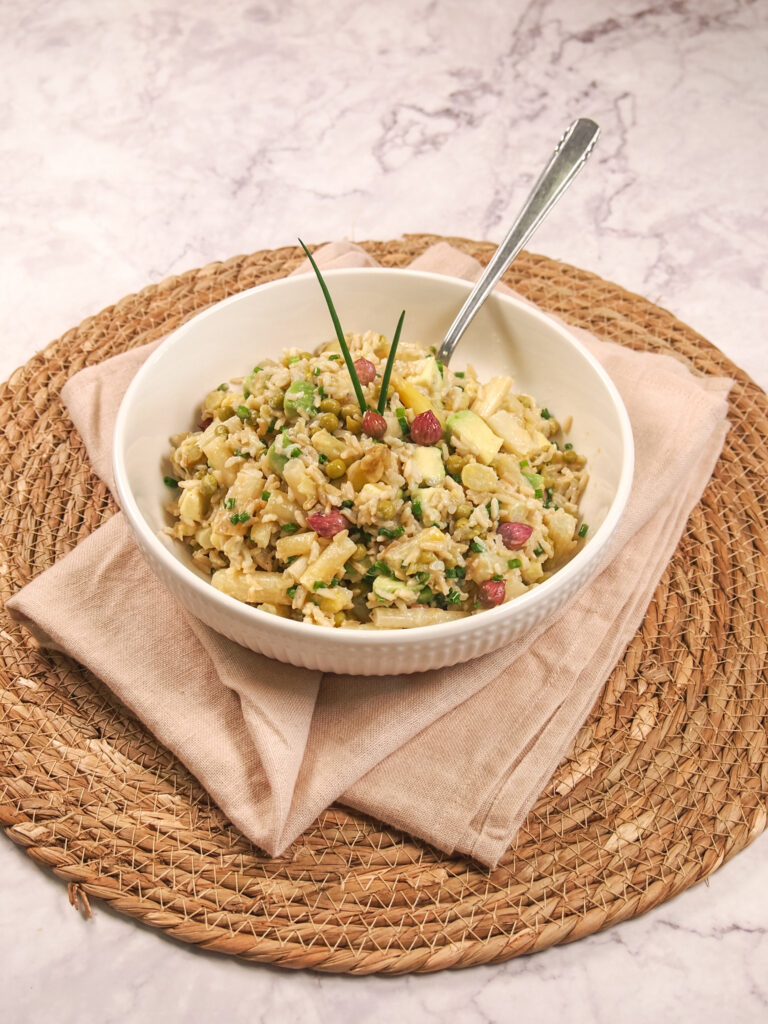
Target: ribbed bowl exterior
point(360, 652)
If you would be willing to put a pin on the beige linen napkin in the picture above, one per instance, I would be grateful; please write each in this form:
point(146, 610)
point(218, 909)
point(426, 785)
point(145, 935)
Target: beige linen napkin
point(456, 757)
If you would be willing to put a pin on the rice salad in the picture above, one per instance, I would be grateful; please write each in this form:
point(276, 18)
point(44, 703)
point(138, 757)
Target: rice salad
point(461, 496)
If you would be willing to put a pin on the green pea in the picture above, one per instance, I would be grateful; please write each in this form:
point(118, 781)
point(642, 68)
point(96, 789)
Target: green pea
point(209, 485)
point(329, 421)
point(454, 464)
point(385, 509)
point(335, 469)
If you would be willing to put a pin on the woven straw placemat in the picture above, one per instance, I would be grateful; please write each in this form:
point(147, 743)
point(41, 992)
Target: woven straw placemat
point(667, 779)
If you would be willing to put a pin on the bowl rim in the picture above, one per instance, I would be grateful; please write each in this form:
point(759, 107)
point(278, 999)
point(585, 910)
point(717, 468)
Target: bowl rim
point(578, 566)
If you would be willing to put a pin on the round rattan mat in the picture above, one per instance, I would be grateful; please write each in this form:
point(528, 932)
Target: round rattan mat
point(667, 779)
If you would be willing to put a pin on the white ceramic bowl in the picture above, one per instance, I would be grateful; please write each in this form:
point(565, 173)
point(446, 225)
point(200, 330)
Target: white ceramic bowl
point(224, 341)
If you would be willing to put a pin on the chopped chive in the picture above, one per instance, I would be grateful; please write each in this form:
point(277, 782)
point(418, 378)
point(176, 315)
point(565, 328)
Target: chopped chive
point(256, 369)
point(169, 481)
point(538, 493)
point(244, 517)
point(402, 419)
point(476, 546)
point(425, 595)
point(291, 560)
point(322, 459)
point(454, 596)
point(339, 333)
point(416, 507)
point(319, 585)
point(460, 374)
point(334, 356)
point(583, 530)
point(294, 453)
point(235, 518)
point(294, 359)
point(316, 372)
point(379, 569)
point(290, 527)
point(514, 563)
point(546, 414)
point(440, 367)
point(271, 424)
point(243, 412)
point(291, 591)
point(422, 577)
point(455, 572)
point(265, 495)
point(497, 578)
point(347, 503)
point(391, 534)
point(488, 508)
point(538, 551)
point(390, 362)
point(523, 463)
point(246, 393)
point(223, 387)
point(568, 446)
point(230, 503)
point(321, 391)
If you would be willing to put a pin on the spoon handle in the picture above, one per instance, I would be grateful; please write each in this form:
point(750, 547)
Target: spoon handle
point(566, 161)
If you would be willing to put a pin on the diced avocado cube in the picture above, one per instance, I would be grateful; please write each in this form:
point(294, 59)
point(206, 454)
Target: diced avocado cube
point(299, 396)
point(279, 452)
point(429, 465)
point(474, 433)
point(276, 460)
point(388, 589)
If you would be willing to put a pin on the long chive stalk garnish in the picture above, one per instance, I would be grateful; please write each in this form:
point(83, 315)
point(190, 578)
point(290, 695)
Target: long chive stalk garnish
point(339, 332)
point(390, 364)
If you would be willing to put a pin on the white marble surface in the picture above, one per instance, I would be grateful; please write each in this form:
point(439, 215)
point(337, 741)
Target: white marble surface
point(143, 137)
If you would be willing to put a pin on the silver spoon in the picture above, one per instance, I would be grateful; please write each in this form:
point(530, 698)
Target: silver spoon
point(564, 164)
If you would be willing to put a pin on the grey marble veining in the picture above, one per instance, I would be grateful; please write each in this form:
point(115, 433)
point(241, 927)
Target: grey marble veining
point(140, 139)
